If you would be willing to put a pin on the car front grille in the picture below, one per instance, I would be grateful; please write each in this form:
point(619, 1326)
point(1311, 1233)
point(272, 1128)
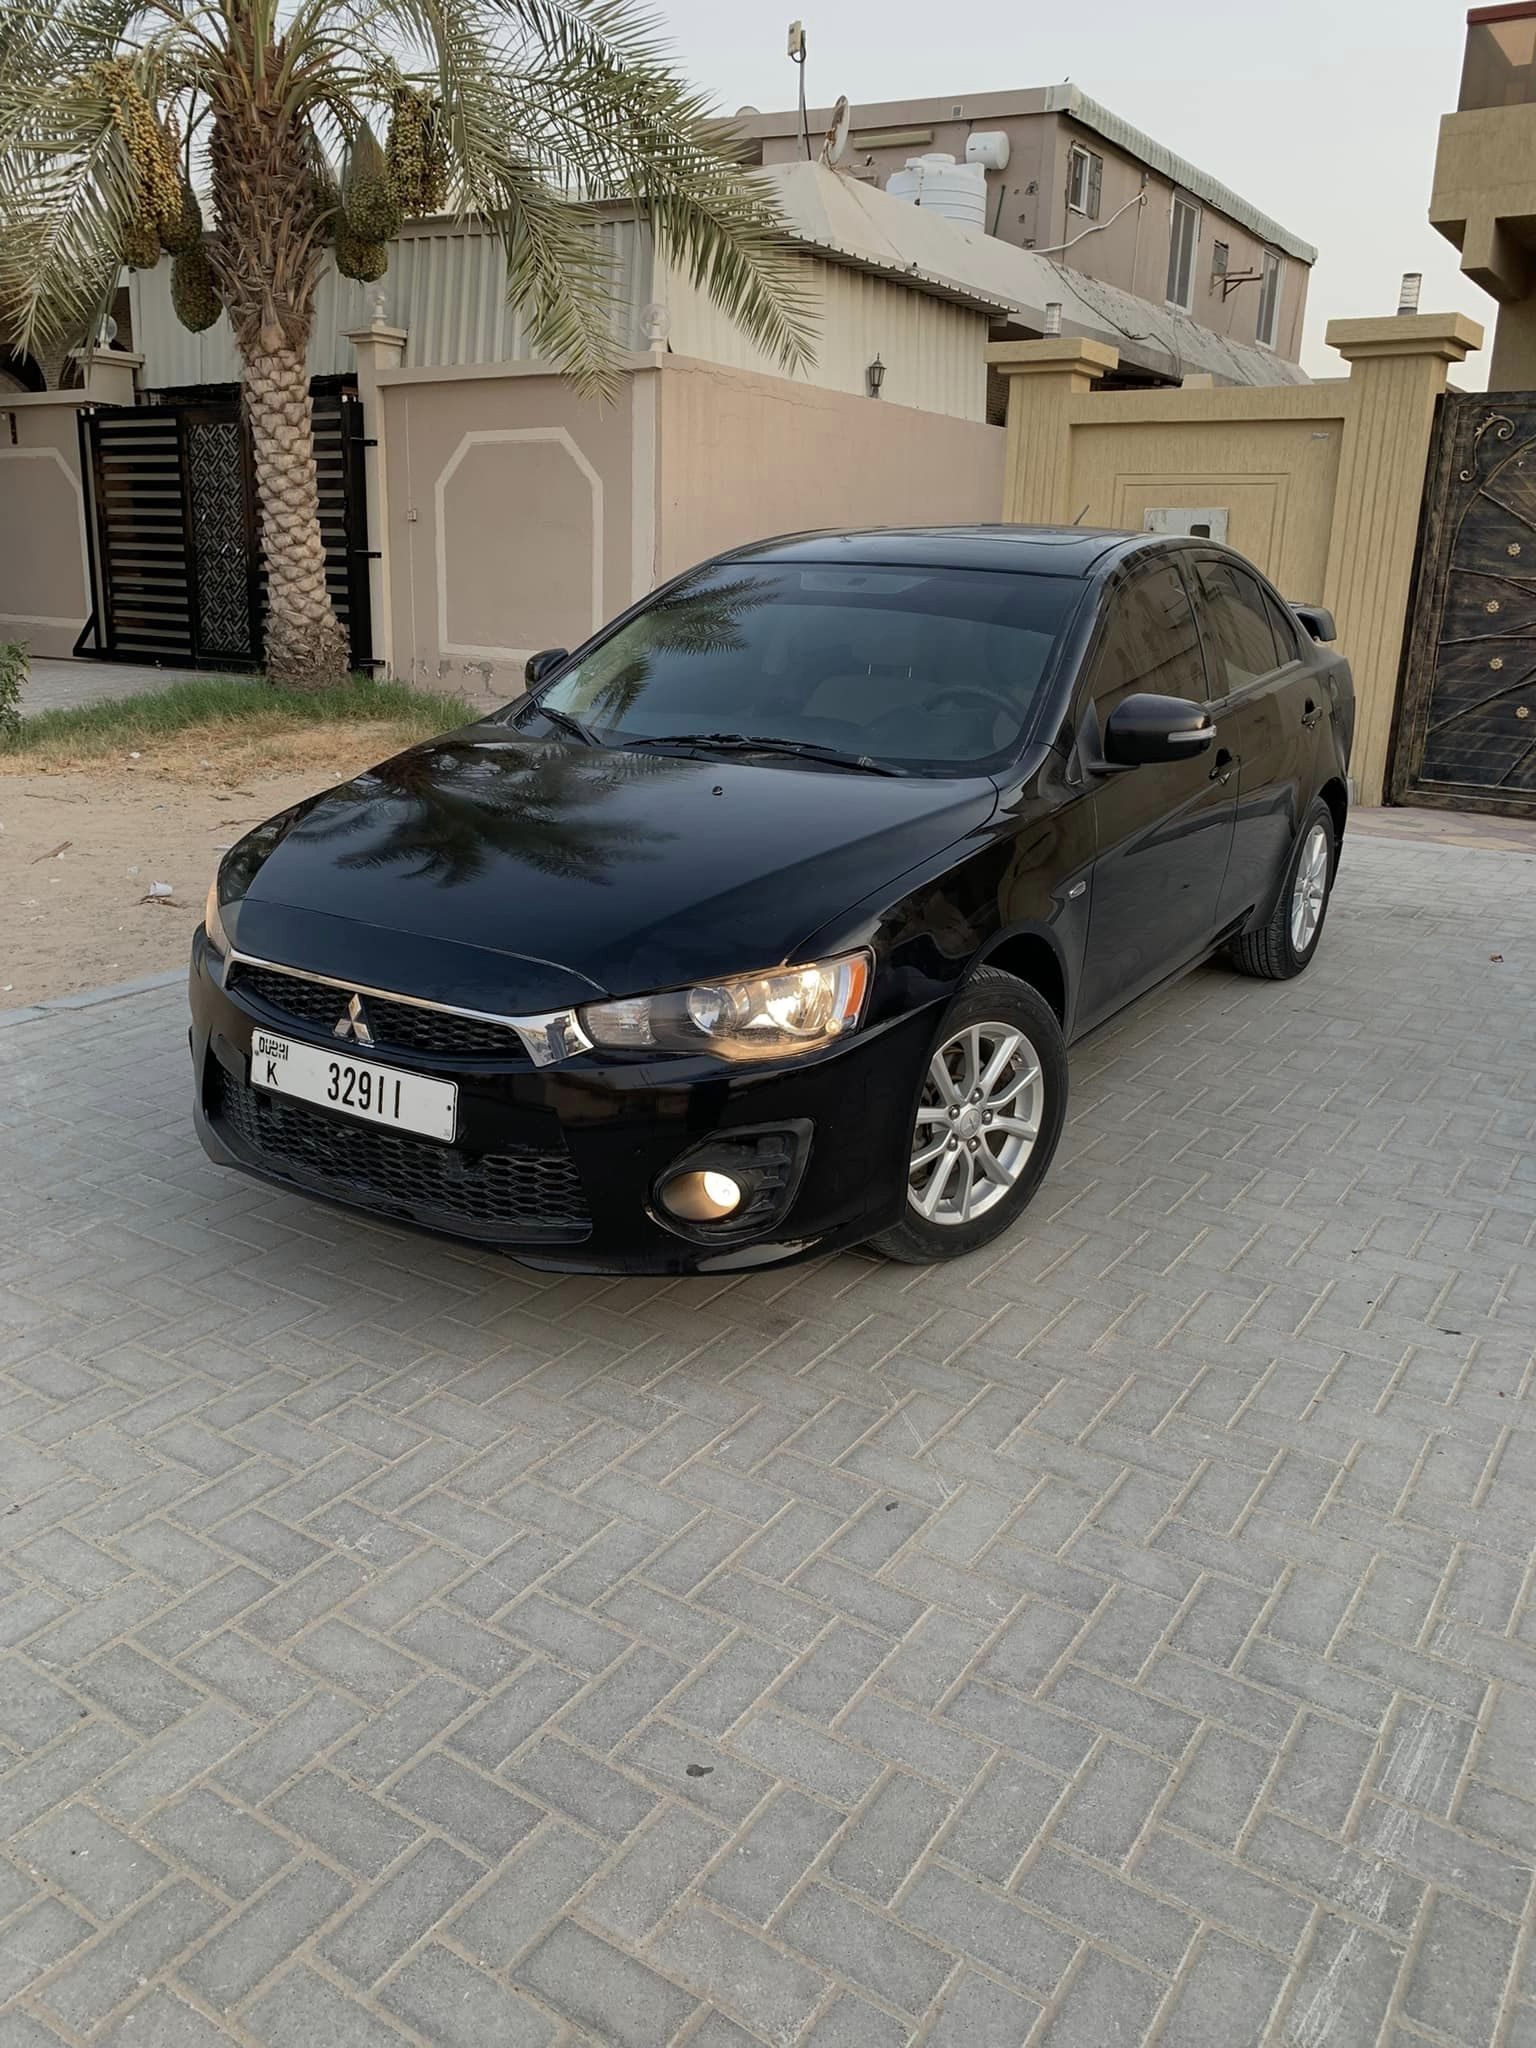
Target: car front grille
point(315, 1006)
point(531, 1191)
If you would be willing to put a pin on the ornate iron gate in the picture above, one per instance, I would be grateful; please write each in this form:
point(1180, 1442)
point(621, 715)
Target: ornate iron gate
point(175, 532)
point(1466, 737)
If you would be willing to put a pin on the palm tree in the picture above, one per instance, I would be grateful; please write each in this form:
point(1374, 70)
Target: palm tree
point(520, 111)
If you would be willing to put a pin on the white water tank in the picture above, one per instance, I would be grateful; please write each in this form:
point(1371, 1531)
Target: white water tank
point(937, 182)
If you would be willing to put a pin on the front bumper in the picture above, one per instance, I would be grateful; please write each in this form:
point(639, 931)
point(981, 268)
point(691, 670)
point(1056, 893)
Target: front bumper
point(587, 1140)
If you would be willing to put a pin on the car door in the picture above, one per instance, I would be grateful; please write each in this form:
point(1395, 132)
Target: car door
point(1264, 692)
point(1163, 831)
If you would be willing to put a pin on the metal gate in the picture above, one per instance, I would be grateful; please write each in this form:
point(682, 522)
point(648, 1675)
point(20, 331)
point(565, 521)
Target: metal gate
point(1466, 737)
point(174, 530)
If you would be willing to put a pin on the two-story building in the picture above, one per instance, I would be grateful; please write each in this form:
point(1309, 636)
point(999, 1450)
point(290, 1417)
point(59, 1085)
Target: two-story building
point(1119, 217)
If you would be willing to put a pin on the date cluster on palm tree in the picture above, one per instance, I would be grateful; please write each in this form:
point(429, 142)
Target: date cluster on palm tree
point(416, 152)
point(370, 212)
point(167, 218)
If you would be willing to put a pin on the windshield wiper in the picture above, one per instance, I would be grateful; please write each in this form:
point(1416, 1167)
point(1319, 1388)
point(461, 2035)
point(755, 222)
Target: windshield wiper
point(566, 723)
point(746, 743)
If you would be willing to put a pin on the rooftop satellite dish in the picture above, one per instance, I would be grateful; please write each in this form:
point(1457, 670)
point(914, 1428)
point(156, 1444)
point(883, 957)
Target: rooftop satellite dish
point(836, 139)
point(747, 110)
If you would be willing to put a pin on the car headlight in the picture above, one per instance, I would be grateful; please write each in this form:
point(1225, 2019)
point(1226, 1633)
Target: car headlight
point(750, 1017)
point(218, 938)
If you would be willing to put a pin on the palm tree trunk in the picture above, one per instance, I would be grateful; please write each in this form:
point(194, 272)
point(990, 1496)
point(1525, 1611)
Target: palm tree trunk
point(305, 645)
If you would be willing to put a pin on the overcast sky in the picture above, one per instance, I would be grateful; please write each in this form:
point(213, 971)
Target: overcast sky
point(1322, 112)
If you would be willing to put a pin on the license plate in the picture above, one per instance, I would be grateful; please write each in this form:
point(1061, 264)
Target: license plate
point(357, 1088)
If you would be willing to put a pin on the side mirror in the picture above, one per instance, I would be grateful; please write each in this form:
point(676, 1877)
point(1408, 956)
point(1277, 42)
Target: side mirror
point(538, 666)
point(1145, 729)
point(1318, 620)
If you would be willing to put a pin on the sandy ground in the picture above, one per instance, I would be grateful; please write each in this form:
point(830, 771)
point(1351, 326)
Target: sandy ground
point(80, 847)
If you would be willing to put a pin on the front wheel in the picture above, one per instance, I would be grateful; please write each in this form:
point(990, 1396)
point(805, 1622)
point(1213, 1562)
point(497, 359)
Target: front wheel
point(987, 1123)
point(1283, 947)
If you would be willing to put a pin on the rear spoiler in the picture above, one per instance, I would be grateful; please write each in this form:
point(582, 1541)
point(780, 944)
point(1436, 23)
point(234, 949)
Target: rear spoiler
point(1318, 620)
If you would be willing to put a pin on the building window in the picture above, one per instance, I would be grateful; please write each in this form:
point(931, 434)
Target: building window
point(1269, 299)
point(1183, 242)
point(1219, 259)
point(1085, 181)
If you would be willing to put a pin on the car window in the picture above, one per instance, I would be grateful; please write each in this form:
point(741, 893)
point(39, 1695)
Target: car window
point(1240, 640)
point(1288, 634)
point(922, 667)
point(1147, 641)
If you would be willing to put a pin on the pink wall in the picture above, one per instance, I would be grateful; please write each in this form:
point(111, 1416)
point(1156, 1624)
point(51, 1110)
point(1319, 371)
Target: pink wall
point(741, 457)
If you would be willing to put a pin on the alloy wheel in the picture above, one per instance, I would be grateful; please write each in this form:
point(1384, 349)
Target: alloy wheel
point(1309, 891)
point(977, 1121)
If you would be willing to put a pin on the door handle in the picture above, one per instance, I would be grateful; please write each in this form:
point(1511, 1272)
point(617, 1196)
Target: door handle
point(1311, 715)
point(1221, 770)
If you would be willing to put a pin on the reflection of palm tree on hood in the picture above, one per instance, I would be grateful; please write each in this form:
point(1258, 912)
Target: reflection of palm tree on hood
point(696, 616)
point(445, 808)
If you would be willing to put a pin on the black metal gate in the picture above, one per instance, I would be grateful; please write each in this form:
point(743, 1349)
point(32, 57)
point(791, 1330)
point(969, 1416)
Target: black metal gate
point(175, 531)
point(1466, 736)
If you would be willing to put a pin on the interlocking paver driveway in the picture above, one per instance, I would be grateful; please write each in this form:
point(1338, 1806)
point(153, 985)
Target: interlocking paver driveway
point(1123, 1638)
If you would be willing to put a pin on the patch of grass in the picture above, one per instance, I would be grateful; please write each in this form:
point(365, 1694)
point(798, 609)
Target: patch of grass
point(240, 707)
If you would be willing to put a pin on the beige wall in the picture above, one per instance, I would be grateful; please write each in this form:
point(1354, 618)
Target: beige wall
point(1484, 200)
point(934, 350)
point(43, 590)
point(742, 456)
point(1322, 482)
point(516, 515)
point(1275, 469)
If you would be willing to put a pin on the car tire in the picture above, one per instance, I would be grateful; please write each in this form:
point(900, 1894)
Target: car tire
point(997, 1025)
point(1282, 947)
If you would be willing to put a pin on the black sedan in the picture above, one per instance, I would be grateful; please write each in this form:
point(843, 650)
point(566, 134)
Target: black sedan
point(760, 925)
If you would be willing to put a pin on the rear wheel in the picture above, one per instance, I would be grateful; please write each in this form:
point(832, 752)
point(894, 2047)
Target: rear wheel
point(988, 1119)
point(1287, 942)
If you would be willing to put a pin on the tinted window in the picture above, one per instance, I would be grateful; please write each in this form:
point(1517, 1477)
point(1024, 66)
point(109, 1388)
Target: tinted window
point(919, 666)
point(1147, 642)
point(1288, 641)
point(1239, 637)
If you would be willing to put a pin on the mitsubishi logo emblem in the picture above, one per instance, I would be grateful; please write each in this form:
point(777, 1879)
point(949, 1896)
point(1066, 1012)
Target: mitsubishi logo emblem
point(353, 1023)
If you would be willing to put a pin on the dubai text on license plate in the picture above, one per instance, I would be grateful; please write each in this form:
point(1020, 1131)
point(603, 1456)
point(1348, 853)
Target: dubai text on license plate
point(357, 1088)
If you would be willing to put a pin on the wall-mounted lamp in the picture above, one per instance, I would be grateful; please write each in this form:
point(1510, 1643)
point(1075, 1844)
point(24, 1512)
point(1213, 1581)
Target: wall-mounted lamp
point(1408, 292)
point(874, 377)
point(1052, 318)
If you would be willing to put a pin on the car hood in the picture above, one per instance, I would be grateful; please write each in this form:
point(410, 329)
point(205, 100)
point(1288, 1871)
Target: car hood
point(519, 875)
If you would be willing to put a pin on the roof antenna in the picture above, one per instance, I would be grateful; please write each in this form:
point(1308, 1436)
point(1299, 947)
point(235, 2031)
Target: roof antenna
point(797, 57)
point(1082, 515)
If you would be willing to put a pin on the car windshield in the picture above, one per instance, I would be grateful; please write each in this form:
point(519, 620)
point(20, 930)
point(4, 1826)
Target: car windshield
point(921, 668)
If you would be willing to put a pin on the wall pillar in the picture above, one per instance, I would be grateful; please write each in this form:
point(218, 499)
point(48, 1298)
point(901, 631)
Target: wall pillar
point(1042, 376)
point(379, 348)
point(1397, 370)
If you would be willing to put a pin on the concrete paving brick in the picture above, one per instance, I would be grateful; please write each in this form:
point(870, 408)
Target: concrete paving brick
point(451, 2002)
point(813, 1602)
point(220, 1842)
point(877, 1854)
point(100, 1868)
point(773, 1856)
point(1107, 2005)
point(1461, 1972)
point(612, 1995)
point(865, 1948)
point(407, 1905)
point(351, 1825)
point(740, 1974)
point(997, 1932)
point(122, 1960)
point(531, 1888)
point(977, 2011)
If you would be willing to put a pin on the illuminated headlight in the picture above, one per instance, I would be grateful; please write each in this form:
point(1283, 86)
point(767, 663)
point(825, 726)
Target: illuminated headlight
point(758, 1017)
point(218, 938)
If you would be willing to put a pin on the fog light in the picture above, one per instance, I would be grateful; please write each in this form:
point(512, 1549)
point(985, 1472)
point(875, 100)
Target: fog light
point(701, 1197)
